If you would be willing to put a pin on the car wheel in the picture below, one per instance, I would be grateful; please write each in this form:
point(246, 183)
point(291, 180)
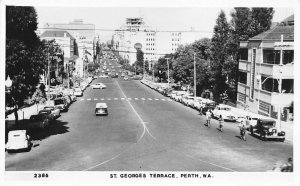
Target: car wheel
point(251, 130)
point(282, 140)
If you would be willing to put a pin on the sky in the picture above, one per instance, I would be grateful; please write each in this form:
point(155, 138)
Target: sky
point(160, 18)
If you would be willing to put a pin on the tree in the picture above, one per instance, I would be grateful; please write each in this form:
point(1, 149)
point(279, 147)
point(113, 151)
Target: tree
point(261, 20)
point(245, 23)
point(219, 54)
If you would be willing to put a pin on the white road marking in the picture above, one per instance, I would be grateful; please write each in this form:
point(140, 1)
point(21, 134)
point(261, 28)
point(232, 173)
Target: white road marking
point(89, 99)
point(143, 99)
point(108, 99)
point(95, 99)
point(122, 98)
point(163, 99)
point(156, 99)
point(128, 98)
point(102, 99)
point(81, 100)
point(136, 98)
point(149, 99)
point(116, 98)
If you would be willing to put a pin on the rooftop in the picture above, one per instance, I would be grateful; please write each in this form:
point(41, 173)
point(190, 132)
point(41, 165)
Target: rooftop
point(56, 33)
point(285, 28)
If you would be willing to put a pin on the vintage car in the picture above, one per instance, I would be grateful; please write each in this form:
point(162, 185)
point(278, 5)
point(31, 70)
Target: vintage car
point(98, 86)
point(208, 105)
point(225, 112)
point(54, 110)
point(61, 104)
point(78, 91)
point(42, 119)
point(126, 78)
point(101, 109)
point(186, 100)
point(266, 129)
point(18, 140)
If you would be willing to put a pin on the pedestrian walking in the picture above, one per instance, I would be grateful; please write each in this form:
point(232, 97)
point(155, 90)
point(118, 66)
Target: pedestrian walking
point(208, 117)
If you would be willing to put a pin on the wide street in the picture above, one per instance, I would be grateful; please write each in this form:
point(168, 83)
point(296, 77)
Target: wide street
point(143, 131)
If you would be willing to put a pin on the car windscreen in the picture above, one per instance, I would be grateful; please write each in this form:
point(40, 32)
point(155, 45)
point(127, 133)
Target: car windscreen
point(58, 102)
point(267, 123)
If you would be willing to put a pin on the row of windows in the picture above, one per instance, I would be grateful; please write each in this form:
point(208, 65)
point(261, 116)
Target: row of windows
point(175, 44)
point(150, 44)
point(271, 56)
point(150, 34)
point(150, 39)
point(150, 54)
point(175, 34)
point(149, 48)
point(177, 39)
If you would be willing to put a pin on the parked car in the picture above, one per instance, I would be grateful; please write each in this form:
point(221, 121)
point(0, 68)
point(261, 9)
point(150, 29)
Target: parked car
point(266, 129)
point(78, 92)
point(54, 110)
point(103, 76)
point(125, 78)
point(18, 140)
point(225, 111)
point(195, 102)
point(101, 109)
point(187, 99)
point(208, 105)
point(42, 119)
point(167, 92)
point(61, 104)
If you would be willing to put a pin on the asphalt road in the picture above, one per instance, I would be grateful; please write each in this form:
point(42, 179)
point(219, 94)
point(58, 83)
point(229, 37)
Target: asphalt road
point(143, 131)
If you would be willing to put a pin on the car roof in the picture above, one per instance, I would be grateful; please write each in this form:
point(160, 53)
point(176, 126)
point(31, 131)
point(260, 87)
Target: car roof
point(16, 132)
point(101, 105)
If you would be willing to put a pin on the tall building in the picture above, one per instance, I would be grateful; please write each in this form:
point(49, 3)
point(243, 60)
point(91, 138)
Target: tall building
point(155, 44)
point(266, 71)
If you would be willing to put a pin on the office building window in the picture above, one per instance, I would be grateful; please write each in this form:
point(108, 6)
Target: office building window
point(242, 98)
point(271, 56)
point(243, 52)
point(243, 77)
point(263, 106)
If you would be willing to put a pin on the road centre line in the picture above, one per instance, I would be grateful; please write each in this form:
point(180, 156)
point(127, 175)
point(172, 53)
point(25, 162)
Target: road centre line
point(149, 99)
point(142, 122)
point(95, 99)
point(136, 98)
point(156, 99)
point(89, 99)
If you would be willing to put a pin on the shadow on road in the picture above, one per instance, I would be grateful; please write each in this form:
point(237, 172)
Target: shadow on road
point(56, 127)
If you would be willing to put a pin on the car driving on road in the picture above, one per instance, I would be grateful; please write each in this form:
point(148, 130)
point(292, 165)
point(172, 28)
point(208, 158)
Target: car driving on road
point(99, 86)
point(101, 109)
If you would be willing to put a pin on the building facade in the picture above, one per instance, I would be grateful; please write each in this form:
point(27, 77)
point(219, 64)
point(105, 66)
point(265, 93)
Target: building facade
point(155, 44)
point(266, 71)
point(76, 28)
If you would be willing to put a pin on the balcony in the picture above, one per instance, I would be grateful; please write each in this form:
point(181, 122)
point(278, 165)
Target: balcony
point(276, 71)
point(284, 99)
point(244, 65)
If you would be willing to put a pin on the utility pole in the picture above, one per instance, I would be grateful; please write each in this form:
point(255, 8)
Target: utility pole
point(194, 74)
point(168, 73)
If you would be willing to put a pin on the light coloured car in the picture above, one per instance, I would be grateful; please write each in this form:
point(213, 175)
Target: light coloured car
point(126, 78)
point(201, 103)
point(178, 95)
point(18, 140)
point(78, 92)
point(103, 76)
point(101, 109)
point(99, 86)
point(187, 99)
point(194, 101)
point(225, 111)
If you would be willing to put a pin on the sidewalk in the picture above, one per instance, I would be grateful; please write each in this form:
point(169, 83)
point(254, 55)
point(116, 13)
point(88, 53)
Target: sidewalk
point(24, 113)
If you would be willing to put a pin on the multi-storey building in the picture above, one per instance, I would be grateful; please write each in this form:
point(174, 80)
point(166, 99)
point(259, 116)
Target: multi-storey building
point(155, 44)
point(266, 71)
point(76, 28)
